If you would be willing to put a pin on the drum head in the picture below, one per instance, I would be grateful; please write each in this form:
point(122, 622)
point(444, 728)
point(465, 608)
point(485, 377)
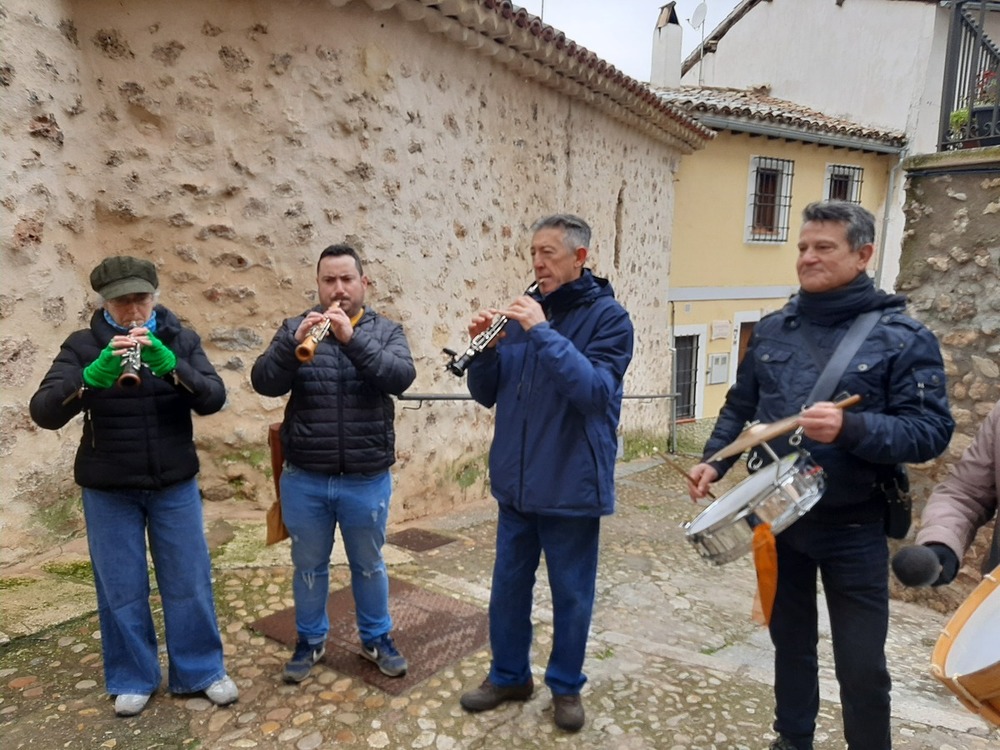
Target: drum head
point(977, 644)
point(726, 507)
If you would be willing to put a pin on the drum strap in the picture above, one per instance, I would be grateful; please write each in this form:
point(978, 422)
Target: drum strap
point(841, 357)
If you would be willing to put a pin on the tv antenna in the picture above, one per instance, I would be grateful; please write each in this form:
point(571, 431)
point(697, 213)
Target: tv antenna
point(697, 21)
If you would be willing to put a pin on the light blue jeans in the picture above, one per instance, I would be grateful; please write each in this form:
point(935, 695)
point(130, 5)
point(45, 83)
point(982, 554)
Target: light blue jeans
point(117, 524)
point(312, 505)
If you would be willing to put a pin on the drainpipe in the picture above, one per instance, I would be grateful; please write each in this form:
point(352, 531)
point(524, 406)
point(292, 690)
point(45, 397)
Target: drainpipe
point(886, 210)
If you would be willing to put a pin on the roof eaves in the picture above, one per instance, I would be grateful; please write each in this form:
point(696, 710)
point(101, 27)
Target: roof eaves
point(806, 132)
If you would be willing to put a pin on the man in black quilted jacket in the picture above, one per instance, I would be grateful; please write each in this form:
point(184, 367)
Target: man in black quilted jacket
point(339, 443)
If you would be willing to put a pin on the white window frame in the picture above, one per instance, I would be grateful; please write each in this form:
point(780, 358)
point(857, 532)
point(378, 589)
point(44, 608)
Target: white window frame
point(854, 173)
point(701, 333)
point(786, 170)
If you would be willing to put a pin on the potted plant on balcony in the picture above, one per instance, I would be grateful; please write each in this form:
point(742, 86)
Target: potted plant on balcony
point(981, 112)
point(958, 125)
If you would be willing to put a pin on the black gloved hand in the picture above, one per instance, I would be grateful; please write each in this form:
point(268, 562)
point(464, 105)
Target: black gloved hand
point(949, 563)
point(930, 564)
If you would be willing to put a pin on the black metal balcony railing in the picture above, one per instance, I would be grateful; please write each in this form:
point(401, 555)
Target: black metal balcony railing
point(970, 101)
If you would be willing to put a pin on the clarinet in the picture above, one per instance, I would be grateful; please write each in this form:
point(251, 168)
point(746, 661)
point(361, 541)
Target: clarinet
point(131, 363)
point(459, 364)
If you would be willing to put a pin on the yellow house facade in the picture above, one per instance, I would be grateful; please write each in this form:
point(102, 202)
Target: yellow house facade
point(737, 215)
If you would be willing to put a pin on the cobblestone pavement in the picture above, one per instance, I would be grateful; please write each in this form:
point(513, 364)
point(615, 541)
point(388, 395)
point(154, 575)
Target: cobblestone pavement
point(673, 661)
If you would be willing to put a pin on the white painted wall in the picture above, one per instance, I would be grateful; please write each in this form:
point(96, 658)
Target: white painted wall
point(875, 62)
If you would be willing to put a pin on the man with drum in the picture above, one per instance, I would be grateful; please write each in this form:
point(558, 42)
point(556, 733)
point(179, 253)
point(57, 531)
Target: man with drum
point(340, 362)
point(965, 501)
point(556, 381)
point(903, 417)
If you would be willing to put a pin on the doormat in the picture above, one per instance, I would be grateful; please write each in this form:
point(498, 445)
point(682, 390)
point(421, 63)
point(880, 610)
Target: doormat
point(418, 540)
point(430, 630)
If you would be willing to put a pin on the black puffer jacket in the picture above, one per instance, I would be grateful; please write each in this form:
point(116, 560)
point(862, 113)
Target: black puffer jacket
point(339, 416)
point(135, 438)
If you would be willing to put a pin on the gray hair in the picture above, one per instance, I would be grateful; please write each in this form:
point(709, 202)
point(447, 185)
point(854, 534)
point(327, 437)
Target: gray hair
point(859, 222)
point(576, 232)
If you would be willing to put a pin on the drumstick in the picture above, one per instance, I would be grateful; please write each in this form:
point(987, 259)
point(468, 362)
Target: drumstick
point(763, 432)
point(687, 476)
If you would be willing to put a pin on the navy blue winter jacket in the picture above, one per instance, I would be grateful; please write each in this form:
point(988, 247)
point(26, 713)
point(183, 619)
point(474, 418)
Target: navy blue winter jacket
point(133, 438)
point(903, 416)
point(339, 416)
point(558, 393)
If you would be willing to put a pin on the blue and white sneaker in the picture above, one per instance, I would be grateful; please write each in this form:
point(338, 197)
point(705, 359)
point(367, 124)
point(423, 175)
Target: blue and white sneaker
point(300, 665)
point(386, 656)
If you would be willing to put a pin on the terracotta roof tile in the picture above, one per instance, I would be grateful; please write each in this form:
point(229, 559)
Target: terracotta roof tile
point(759, 106)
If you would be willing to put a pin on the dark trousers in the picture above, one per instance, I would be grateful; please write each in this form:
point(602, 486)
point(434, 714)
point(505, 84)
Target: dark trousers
point(853, 563)
point(571, 545)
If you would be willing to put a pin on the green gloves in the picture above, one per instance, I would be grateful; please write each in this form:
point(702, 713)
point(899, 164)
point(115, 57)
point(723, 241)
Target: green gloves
point(103, 371)
point(158, 357)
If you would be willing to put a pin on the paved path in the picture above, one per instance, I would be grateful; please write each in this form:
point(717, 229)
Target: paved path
point(674, 662)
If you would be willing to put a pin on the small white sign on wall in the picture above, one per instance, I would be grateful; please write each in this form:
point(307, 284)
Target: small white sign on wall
point(721, 329)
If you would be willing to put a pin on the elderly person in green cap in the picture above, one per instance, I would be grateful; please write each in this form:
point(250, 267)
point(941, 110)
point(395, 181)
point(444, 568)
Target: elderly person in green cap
point(138, 468)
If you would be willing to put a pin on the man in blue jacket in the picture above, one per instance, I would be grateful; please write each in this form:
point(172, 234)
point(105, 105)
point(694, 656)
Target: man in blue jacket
point(903, 417)
point(339, 443)
point(556, 380)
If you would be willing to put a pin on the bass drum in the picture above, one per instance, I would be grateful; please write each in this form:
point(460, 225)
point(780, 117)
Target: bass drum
point(966, 657)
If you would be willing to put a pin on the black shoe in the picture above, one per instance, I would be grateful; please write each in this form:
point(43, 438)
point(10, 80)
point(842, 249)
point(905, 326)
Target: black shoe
point(384, 653)
point(783, 743)
point(569, 712)
point(302, 661)
point(488, 696)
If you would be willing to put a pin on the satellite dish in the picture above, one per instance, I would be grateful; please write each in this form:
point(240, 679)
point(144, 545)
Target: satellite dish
point(698, 17)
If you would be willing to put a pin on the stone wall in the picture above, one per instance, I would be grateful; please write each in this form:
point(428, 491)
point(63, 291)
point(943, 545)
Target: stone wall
point(950, 270)
point(229, 141)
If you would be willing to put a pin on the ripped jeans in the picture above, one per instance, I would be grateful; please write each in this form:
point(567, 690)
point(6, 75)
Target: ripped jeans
point(312, 505)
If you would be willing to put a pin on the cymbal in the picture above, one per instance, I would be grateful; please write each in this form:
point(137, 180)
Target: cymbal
point(763, 432)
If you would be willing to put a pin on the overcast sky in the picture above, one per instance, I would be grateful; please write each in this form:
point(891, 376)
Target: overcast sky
point(621, 31)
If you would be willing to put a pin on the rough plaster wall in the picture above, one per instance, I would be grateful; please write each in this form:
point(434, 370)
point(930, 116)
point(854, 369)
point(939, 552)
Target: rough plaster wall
point(229, 142)
point(950, 270)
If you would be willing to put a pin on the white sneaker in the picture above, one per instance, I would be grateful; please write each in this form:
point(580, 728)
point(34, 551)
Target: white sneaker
point(131, 704)
point(223, 691)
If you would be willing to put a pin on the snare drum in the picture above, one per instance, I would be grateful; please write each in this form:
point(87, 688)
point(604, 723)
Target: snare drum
point(778, 494)
point(967, 655)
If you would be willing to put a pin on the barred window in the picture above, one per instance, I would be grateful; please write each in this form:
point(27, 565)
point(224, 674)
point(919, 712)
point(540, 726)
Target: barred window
point(769, 199)
point(686, 348)
point(843, 183)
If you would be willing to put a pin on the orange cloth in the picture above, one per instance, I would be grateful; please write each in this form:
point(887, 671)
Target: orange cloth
point(765, 560)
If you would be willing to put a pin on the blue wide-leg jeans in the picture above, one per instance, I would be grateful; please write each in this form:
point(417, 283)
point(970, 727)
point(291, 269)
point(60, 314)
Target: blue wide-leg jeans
point(570, 545)
point(853, 561)
point(117, 524)
point(312, 505)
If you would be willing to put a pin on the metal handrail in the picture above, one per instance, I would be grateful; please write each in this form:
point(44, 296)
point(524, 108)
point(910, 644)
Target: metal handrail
point(421, 397)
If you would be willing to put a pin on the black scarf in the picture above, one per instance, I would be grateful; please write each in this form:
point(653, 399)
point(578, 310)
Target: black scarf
point(846, 302)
